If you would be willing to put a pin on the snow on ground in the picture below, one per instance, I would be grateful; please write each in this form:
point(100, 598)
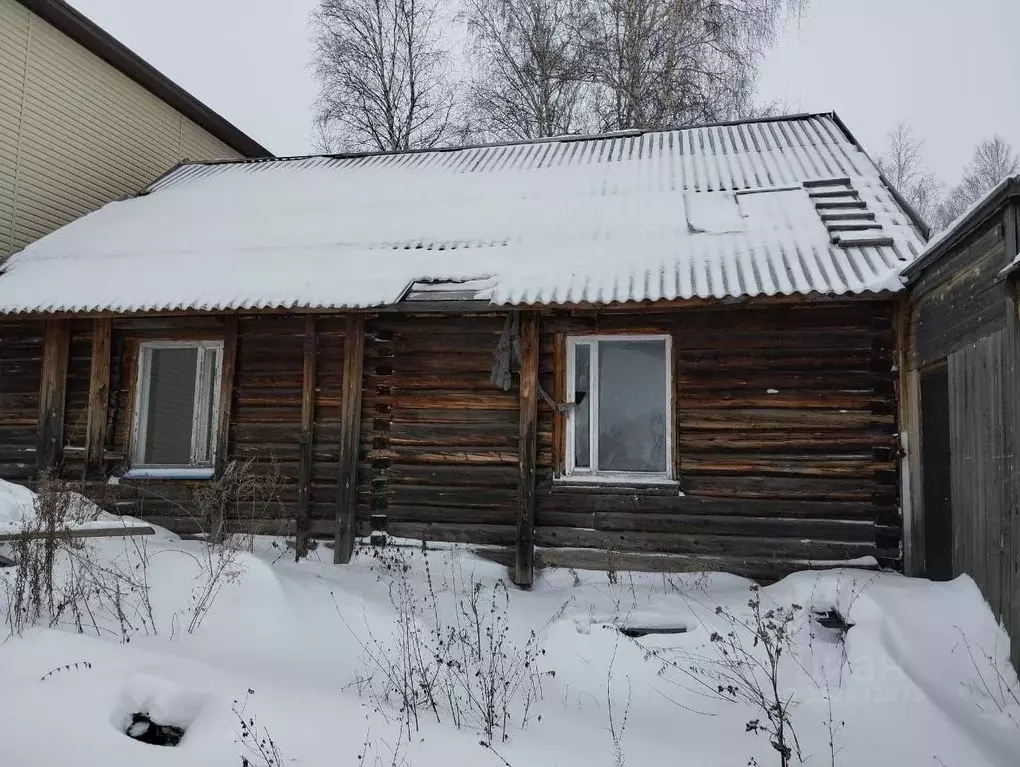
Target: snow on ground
point(288, 641)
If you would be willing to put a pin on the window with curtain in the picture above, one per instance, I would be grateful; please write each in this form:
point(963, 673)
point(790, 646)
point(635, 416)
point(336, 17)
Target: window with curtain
point(177, 404)
point(619, 425)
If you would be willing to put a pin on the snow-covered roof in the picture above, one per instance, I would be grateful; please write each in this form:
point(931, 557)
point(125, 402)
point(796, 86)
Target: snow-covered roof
point(784, 206)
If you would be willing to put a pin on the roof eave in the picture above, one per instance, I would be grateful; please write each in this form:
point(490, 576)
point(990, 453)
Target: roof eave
point(102, 44)
point(1008, 189)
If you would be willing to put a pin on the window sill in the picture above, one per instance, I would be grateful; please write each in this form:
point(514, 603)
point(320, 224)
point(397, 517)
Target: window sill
point(170, 473)
point(618, 484)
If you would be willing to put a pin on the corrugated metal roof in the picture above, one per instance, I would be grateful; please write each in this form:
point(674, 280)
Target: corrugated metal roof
point(742, 209)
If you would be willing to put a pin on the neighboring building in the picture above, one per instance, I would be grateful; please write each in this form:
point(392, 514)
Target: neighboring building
point(701, 325)
point(84, 121)
point(962, 403)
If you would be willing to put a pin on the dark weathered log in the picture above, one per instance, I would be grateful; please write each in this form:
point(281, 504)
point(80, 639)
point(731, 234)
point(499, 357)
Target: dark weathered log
point(307, 423)
point(99, 396)
point(346, 513)
point(524, 562)
point(52, 392)
point(708, 545)
point(114, 531)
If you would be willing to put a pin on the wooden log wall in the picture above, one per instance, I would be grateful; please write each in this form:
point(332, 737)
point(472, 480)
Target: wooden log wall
point(21, 352)
point(76, 408)
point(265, 425)
point(328, 409)
point(784, 416)
point(784, 429)
point(439, 441)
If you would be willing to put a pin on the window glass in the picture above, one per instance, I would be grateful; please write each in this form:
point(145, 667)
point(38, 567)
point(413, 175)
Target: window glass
point(632, 406)
point(582, 411)
point(175, 425)
point(171, 406)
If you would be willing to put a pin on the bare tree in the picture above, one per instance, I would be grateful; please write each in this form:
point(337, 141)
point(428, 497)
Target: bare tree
point(662, 63)
point(993, 160)
point(527, 58)
point(382, 76)
point(902, 163)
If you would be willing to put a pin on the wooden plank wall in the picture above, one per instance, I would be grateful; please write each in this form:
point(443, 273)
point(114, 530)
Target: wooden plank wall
point(21, 345)
point(982, 544)
point(439, 441)
point(960, 300)
point(785, 425)
point(964, 312)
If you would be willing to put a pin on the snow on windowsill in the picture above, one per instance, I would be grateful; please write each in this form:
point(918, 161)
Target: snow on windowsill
point(170, 473)
point(616, 481)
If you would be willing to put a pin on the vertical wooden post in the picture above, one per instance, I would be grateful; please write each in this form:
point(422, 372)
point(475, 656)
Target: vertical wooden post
point(227, 369)
point(53, 393)
point(99, 396)
point(350, 434)
point(303, 521)
point(559, 395)
point(1009, 372)
point(524, 561)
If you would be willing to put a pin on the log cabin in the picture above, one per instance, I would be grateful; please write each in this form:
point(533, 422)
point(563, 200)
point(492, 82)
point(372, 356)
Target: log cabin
point(659, 349)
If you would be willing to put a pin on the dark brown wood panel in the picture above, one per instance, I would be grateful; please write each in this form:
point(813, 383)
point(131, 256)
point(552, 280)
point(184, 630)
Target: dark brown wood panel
point(21, 352)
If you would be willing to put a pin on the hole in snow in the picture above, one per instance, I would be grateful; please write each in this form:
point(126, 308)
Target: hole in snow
point(833, 619)
point(156, 710)
point(143, 729)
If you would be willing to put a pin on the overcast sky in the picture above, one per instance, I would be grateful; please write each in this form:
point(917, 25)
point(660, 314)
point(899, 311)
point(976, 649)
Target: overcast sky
point(950, 68)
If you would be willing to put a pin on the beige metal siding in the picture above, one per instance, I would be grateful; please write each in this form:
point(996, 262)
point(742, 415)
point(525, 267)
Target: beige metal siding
point(75, 132)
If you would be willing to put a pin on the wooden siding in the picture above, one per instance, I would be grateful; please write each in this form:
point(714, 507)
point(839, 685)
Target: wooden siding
point(961, 299)
point(75, 132)
point(964, 314)
point(785, 429)
point(21, 347)
point(984, 542)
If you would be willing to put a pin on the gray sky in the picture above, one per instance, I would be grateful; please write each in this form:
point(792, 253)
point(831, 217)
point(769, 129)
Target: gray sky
point(949, 68)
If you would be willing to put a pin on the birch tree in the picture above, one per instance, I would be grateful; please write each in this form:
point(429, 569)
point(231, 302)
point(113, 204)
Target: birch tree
point(528, 70)
point(382, 75)
point(902, 163)
point(993, 160)
point(665, 63)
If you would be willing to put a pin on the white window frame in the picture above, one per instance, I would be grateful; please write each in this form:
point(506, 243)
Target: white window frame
point(592, 474)
point(201, 417)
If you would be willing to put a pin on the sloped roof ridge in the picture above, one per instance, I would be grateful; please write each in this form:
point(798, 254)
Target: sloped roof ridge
point(565, 138)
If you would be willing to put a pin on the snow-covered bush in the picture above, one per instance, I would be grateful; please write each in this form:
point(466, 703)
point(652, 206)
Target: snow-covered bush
point(58, 578)
point(458, 661)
